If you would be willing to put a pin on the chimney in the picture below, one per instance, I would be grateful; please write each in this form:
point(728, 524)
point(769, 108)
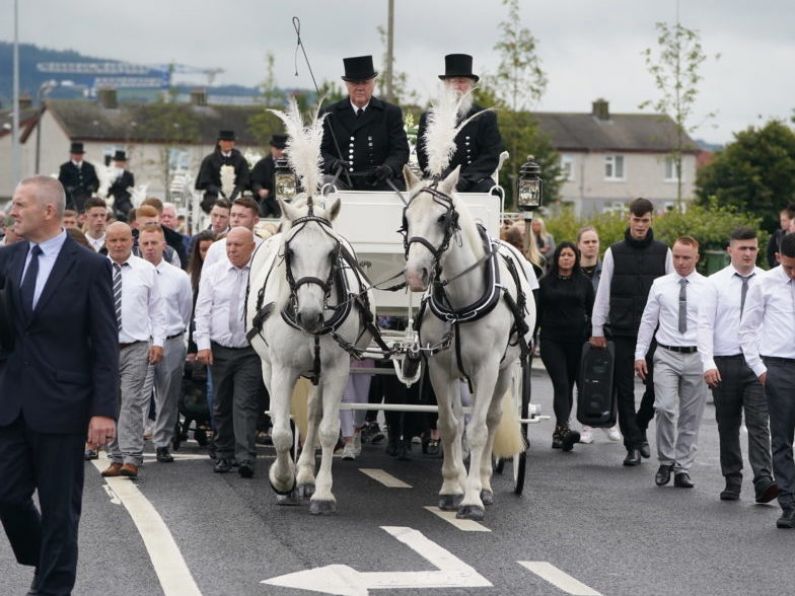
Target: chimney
point(198, 96)
point(600, 109)
point(25, 102)
point(107, 98)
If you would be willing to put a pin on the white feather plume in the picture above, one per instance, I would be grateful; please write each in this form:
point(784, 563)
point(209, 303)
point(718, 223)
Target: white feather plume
point(303, 145)
point(227, 175)
point(442, 127)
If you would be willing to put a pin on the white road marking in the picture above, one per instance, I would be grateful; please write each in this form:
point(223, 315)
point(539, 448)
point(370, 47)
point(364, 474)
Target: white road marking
point(169, 565)
point(342, 580)
point(384, 478)
point(465, 525)
point(561, 580)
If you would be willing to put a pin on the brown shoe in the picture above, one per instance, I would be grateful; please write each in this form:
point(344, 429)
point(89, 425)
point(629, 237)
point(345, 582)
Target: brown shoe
point(112, 470)
point(129, 470)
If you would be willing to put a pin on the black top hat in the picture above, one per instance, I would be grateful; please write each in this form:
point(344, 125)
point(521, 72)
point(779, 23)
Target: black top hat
point(226, 135)
point(279, 141)
point(119, 155)
point(77, 147)
point(359, 68)
point(458, 65)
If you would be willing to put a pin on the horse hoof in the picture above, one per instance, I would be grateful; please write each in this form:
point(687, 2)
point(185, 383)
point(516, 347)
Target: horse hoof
point(318, 507)
point(450, 502)
point(280, 491)
point(288, 500)
point(305, 491)
point(487, 497)
point(473, 512)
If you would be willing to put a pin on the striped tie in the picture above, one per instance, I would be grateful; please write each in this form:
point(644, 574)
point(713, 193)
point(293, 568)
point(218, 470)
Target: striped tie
point(117, 292)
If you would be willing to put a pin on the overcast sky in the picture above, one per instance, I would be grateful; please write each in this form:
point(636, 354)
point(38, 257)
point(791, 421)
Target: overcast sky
point(588, 48)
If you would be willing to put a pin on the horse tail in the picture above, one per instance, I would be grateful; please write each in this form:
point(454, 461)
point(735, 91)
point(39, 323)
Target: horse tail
point(508, 439)
point(298, 405)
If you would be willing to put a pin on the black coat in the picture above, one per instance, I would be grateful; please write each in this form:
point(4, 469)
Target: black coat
point(121, 196)
point(209, 178)
point(79, 183)
point(478, 148)
point(376, 138)
point(262, 176)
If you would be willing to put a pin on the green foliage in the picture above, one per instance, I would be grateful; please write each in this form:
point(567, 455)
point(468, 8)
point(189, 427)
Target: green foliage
point(565, 225)
point(263, 124)
point(272, 96)
point(401, 92)
point(169, 123)
point(755, 173)
point(331, 92)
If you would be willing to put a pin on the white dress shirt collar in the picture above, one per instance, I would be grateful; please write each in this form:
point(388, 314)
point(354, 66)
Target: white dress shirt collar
point(363, 108)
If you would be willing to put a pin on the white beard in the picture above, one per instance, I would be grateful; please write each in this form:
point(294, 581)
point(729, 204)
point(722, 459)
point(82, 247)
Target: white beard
point(466, 104)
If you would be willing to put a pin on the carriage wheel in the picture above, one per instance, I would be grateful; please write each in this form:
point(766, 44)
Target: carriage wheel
point(520, 461)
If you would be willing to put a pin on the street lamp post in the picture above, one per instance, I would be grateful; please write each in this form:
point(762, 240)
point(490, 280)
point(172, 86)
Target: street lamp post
point(44, 89)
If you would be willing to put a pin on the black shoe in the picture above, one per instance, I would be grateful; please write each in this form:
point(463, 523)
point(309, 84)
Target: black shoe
point(570, 437)
point(90, 454)
point(163, 455)
point(644, 449)
point(787, 519)
point(392, 447)
point(403, 450)
point(663, 475)
point(246, 470)
point(766, 491)
point(222, 465)
point(632, 458)
point(211, 450)
point(557, 437)
point(734, 484)
point(682, 480)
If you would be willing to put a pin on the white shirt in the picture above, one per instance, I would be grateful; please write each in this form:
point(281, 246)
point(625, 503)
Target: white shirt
point(363, 108)
point(719, 315)
point(96, 243)
point(601, 305)
point(768, 324)
point(143, 311)
point(175, 288)
point(662, 308)
point(220, 306)
point(217, 251)
point(50, 249)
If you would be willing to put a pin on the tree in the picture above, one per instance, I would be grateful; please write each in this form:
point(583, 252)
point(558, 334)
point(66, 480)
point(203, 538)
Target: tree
point(520, 81)
point(272, 96)
point(401, 93)
point(676, 72)
point(755, 173)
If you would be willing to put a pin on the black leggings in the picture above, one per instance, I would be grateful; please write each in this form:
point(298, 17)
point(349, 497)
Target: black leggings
point(562, 360)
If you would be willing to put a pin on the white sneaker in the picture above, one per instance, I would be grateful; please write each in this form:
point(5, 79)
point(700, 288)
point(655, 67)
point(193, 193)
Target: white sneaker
point(349, 452)
point(612, 433)
point(357, 442)
point(586, 436)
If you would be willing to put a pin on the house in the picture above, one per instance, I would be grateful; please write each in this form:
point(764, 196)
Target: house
point(608, 159)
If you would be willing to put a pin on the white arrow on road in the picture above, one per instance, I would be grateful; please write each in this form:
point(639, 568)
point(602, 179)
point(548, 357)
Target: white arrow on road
point(342, 580)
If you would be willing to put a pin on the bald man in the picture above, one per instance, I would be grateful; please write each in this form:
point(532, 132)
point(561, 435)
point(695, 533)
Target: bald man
point(221, 339)
point(141, 321)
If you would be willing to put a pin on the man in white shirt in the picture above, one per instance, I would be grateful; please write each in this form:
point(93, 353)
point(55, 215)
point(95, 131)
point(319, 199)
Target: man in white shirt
point(140, 313)
point(220, 336)
point(244, 213)
point(175, 290)
point(96, 222)
point(735, 387)
point(767, 336)
point(672, 309)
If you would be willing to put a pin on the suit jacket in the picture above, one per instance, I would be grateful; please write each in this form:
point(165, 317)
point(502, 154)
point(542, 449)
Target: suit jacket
point(377, 137)
point(121, 196)
point(478, 148)
point(64, 367)
point(79, 183)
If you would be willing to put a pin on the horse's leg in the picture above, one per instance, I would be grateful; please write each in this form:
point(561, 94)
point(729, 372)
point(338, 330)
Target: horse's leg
point(306, 461)
point(453, 471)
point(485, 380)
point(282, 471)
point(493, 417)
point(330, 390)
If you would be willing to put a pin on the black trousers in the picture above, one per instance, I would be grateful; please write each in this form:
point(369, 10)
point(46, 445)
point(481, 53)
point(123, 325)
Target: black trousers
point(562, 361)
point(779, 390)
point(633, 425)
point(53, 465)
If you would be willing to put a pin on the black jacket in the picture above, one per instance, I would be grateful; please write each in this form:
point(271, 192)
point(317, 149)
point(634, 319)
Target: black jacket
point(209, 178)
point(121, 196)
point(262, 176)
point(478, 148)
point(376, 138)
point(79, 183)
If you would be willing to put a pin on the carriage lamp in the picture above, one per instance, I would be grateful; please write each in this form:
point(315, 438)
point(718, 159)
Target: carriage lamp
point(284, 180)
point(529, 192)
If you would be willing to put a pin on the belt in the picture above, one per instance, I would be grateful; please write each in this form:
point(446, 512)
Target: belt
point(176, 335)
point(778, 359)
point(217, 345)
point(680, 349)
point(732, 356)
point(127, 345)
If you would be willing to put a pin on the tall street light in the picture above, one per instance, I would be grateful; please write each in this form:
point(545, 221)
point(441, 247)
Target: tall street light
point(15, 149)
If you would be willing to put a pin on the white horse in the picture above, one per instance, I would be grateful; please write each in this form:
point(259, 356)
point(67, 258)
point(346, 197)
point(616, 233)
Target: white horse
point(468, 327)
point(305, 316)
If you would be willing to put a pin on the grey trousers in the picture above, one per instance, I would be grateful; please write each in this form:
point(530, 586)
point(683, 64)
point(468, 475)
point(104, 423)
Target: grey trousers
point(678, 380)
point(780, 393)
point(168, 385)
point(128, 445)
point(237, 378)
point(741, 392)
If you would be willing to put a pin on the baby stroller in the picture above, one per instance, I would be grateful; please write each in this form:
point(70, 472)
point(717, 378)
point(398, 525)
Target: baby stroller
point(193, 406)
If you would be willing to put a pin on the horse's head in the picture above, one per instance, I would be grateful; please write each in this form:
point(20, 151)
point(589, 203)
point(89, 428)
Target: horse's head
point(310, 253)
point(430, 220)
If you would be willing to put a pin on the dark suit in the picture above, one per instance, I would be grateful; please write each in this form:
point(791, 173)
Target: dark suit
point(62, 370)
point(478, 148)
point(375, 138)
point(79, 183)
point(262, 177)
point(209, 178)
point(121, 196)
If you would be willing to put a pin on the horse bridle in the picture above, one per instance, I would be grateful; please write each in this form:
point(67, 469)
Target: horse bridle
point(297, 226)
point(449, 219)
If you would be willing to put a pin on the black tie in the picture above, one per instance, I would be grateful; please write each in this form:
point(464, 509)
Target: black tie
point(359, 112)
point(744, 291)
point(683, 306)
point(28, 288)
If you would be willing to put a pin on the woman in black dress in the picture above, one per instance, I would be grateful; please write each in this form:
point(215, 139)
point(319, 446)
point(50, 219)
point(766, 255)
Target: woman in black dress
point(565, 301)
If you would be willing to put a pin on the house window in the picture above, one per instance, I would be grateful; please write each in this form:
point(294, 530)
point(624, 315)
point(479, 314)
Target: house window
point(671, 170)
point(614, 167)
point(566, 168)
